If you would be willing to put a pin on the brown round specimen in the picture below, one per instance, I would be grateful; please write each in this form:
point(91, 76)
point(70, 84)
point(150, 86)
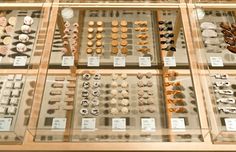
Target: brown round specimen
point(98, 50)
point(124, 50)
point(99, 23)
point(114, 29)
point(123, 23)
point(114, 23)
point(99, 36)
point(124, 43)
point(90, 29)
point(89, 50)
point(114, 50)
point(91, 23)
point(124, 29)
point(90, 43)
point(99, 43)
point(114, 43)
point(232, 49)
point(124, 36)
point(90, 36)
point(100, 29)
point(114, 36)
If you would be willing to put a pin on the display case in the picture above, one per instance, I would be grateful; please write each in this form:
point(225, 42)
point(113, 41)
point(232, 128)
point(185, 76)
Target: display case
point(214, 28)
point(22, 41)
point(117, 75)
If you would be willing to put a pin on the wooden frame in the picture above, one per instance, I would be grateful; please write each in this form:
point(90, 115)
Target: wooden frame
point(207, 145)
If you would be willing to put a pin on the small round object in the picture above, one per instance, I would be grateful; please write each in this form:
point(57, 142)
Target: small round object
point(75, 30)
point(20, 47)
point(95, 102)
point(124, 43)
point(75, 36)
point(140, 84)
point(100, 29)
point(142, 109)
point(114, 84)
point(124, 50)
point(140, 102)
point(124, 102)
point(139, 76)
point(96, 93)
point(76, 25)
point(114, 29)
point(86, 76)
point(67, 24)
point(3, 50)
point(99, 36)
point(90, 43)
point(124, 36)
point(96, 84)
point(64, 50)
point(90, 36)
point(99, 43)
point(85, 93)
point(65, 43)
point(114, 92)
point(91, 23)
point(115, 23)
point(114, 50)
point(84, 103)
point(7, 40)
point(3, 21)
point(98, 50)
point(94, 111)
point(23, 38)
point(149, 83)
point(97, 76)
point(150, 92)
point(123, 23)
point(99, 23)
point(90, 30)
point(151, 109)
point(124, 110)
point(124, 29)
point(149, 75)
point(86, 85)
point(89, 50)
point(150, 101)
point(114, 76)
point(140, 93)
point(12, 21)
point(66, 31)
point(9, 29)
point(114, 43)
point(67, 13)
point(113, 101)
point(125, 93)
point(123, 75)
point(84, 111)
point(124, 84)
point(114, 111)
point(114, 36)
point(28, 20)
point(25, 29)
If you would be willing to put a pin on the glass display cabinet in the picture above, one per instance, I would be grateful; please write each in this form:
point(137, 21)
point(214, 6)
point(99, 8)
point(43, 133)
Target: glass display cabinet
point(22, 40)
point(214, 29)
point(117, 75)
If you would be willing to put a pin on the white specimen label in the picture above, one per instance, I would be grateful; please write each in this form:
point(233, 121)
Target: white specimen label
point(119, 62)
point(145, 62)
point(5, 124)
point(88, 124)
point(148, 124)
point(169, 61)
point(59, 123)
point(178, 124)
point(67, 61)
point(118, 124)
point(20, 61)
point(216, 61)
point(93, 62)
point(230, 124)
